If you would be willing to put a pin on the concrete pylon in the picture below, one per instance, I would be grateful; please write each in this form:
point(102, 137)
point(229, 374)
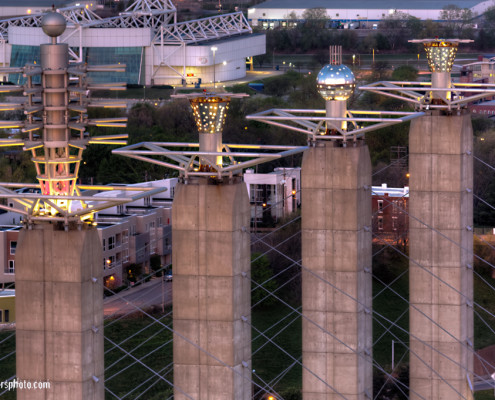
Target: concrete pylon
point(59, 313)
point(211, 291)
point(336, 247)
point(441, 286)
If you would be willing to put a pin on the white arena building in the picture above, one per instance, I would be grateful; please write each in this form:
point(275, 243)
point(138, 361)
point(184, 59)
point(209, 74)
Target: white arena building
point(146, 37)
point(274, 13)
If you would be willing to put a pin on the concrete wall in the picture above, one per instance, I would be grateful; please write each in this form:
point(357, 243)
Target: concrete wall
point(211, 252)
point(441, 283)
point(59, 313)
point(336, 288)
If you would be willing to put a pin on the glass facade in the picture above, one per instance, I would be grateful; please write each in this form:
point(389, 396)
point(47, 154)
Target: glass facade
point(20, 56)
point(133, 57)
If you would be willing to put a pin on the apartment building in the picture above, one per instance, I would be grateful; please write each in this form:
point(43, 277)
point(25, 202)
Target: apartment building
point(273, 195)
point(130, 235)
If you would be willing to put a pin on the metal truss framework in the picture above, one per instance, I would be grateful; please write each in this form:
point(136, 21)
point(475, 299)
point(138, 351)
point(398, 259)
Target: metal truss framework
point(420, 94)
point(31, 206)
point(315, 124)
point(159, 15)
point(237, 157)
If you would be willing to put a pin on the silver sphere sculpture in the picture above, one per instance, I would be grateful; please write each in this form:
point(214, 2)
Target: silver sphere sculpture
point(335, 82)
point(53, 24)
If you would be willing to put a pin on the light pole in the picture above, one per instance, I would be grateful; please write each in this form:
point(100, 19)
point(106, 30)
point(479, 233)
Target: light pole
point(214, 49)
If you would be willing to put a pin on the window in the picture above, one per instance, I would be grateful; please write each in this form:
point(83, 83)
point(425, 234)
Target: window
point(125, 236)
point(125, 256)
point(380, 223)
point(6, 316)
point(380, 206)
point(11, 267)
point(1, 312)
point(394, 223)
point(104, 245)
point(111, 242)
point(13, 246)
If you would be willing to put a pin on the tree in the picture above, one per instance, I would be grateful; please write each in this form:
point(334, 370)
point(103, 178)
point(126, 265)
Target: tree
point(395, 27)
point(263, 282)
point(315, 15)
point(456, 19)
point(405, 73)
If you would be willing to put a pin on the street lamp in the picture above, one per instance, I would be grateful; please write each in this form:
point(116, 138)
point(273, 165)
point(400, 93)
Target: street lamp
point(214, 49)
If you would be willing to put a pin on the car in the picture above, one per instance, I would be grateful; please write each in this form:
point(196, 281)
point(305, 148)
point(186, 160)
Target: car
point(168, 277)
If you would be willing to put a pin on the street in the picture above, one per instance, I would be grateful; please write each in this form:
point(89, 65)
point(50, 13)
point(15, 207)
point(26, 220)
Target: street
point(148, 294)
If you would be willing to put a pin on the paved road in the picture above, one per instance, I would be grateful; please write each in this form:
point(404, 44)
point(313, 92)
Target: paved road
point(152, 293)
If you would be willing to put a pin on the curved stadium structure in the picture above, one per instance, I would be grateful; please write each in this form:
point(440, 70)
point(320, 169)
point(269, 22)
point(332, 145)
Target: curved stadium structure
point(146, 37)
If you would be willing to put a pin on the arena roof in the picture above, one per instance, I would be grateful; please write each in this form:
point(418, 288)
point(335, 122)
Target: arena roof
point(367, 4)
point(33, 3)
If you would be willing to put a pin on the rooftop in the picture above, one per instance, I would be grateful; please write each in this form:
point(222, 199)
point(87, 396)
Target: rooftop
point(7, 292)
point(366, 4)
point(34, 3)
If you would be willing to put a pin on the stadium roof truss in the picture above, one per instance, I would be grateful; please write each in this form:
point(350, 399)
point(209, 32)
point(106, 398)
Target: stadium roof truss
point(159, 15)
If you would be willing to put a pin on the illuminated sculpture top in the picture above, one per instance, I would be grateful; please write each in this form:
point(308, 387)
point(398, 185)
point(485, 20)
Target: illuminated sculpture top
point(335, 82)
point(210, 112)
point(213, 159)
point(441, 93)
point(54, 131)
point(440, 53)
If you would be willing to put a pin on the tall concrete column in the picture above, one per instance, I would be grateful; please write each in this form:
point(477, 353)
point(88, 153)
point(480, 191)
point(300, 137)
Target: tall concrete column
point(211, 253)
point(441, 287)
point(59, 312)
point(336, 247)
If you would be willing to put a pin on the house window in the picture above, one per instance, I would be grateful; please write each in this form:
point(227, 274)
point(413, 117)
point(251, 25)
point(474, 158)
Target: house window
point(111, 242)
point(104, 245)
point(380, 206)
point(11, 267)
point(125, 236)
point(6, 316)
point(13, 246)
point(380, 223)
point(394, 223)
point(1, 312)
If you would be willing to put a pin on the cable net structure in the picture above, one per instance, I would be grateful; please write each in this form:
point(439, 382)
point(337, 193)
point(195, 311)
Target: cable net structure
point(138, 337)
